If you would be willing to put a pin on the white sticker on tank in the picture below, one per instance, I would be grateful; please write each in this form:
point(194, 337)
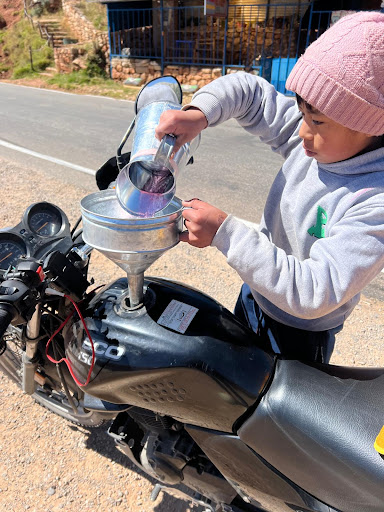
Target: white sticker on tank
point(177, 316)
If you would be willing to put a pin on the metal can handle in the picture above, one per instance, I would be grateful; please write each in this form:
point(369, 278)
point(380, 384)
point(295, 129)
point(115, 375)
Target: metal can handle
point(165, 150)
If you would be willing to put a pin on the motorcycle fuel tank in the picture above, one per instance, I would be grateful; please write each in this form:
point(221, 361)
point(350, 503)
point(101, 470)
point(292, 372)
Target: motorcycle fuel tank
point(182, 354)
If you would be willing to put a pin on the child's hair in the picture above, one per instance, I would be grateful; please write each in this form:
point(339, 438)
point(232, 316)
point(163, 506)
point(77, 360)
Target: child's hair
point(303, 103)
point(342, 73)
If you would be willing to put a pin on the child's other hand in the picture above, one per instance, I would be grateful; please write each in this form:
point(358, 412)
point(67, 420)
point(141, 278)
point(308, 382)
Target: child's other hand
point(184, 124)
point(202, 221)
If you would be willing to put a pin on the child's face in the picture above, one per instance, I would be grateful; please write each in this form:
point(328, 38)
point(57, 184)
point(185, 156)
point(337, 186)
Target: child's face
point(327, 141)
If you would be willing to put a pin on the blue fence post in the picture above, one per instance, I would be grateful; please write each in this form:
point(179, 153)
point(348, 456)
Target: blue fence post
point(309, 26)
point(299, 37)
point(162, 36)
point(110, 43)
point(224, 71)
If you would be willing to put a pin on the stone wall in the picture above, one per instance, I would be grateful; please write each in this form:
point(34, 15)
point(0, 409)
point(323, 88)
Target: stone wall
point(78, 23)
point(145, 69)
point(125, 67)
point(246, 43)
point(71, 58)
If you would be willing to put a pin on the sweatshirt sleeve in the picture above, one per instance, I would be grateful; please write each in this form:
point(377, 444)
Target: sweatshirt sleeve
point(337, 269)
point(257, 107)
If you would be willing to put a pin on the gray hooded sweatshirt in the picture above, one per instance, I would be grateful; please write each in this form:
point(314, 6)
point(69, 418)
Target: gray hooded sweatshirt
point(321, 238)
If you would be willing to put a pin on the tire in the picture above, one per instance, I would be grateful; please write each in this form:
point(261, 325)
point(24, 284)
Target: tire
point(53, 400)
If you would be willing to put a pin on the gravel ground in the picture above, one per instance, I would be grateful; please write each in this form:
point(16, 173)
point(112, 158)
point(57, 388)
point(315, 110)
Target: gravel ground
point(48, 464)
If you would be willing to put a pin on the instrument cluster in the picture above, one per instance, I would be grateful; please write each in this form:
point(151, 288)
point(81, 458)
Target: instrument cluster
point(43, 227)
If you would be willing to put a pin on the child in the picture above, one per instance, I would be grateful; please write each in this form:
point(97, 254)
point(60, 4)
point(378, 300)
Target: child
point(321, 238)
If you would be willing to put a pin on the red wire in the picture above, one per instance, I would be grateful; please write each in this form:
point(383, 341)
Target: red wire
point(64, 358)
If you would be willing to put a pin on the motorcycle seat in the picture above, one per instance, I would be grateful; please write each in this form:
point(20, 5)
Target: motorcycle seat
point(317, 426)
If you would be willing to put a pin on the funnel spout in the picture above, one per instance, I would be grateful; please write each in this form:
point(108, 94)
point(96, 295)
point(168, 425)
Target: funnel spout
point(135, 287)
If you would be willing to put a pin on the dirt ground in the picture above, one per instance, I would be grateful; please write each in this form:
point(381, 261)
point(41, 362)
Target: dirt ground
point(124, 92)
point(48, 464)
point(121, 91)
point(11, 11)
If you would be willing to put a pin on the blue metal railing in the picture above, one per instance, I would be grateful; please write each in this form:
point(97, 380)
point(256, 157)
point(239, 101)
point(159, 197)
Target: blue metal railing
point(133, 33)
point(191, 38)
point(264, 39)
point(319, 21)
point(260, 34)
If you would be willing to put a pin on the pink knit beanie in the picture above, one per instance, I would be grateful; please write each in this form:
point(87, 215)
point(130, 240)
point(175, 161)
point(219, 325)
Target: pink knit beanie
point(342, 73)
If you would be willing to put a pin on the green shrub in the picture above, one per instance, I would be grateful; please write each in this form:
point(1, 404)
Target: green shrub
point(36, 11)
point(94, 12)
point(96, 63)
point(22, 71)
point(18, 41)
point(4, 67)
point(72, 80)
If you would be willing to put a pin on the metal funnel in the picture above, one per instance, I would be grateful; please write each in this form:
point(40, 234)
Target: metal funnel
point(133, 243)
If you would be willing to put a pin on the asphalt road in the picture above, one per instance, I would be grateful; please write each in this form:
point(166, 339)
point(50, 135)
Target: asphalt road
point(232, 169)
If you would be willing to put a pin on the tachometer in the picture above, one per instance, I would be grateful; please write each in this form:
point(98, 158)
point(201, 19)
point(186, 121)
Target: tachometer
point(10, 252)
point(44, 220)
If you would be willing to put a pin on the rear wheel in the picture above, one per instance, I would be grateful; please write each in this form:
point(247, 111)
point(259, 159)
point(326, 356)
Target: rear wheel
point(52, 395)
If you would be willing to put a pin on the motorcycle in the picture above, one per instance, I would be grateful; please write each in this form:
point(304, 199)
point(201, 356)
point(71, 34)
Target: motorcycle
point(193, 397)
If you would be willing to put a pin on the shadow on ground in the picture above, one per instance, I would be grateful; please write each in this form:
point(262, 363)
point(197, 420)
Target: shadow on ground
point(99, 441)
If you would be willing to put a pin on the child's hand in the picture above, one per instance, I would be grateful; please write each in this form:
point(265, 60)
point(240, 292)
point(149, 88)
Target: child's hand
point(184, 124)
point(202, 222)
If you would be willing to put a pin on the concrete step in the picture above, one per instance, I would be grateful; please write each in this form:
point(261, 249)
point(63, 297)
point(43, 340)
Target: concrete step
point(51, 27)
point(56, 31)
point(50, 20)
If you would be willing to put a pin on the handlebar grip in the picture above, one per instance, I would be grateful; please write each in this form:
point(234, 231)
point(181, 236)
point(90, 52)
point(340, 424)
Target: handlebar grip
point(6, 317)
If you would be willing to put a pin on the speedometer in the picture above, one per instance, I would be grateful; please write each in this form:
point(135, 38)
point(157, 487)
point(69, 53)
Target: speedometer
point(10, 252)
point(45, 220)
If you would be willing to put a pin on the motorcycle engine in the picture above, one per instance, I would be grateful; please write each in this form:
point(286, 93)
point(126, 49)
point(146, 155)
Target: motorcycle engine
point(163, 449)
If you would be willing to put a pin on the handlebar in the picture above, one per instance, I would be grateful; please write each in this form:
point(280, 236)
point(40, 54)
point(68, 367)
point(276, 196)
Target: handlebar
point(26, 285)
point(18, 293)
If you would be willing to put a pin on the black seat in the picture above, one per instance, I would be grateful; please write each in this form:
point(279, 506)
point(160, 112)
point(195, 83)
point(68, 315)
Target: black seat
point(317, 425)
